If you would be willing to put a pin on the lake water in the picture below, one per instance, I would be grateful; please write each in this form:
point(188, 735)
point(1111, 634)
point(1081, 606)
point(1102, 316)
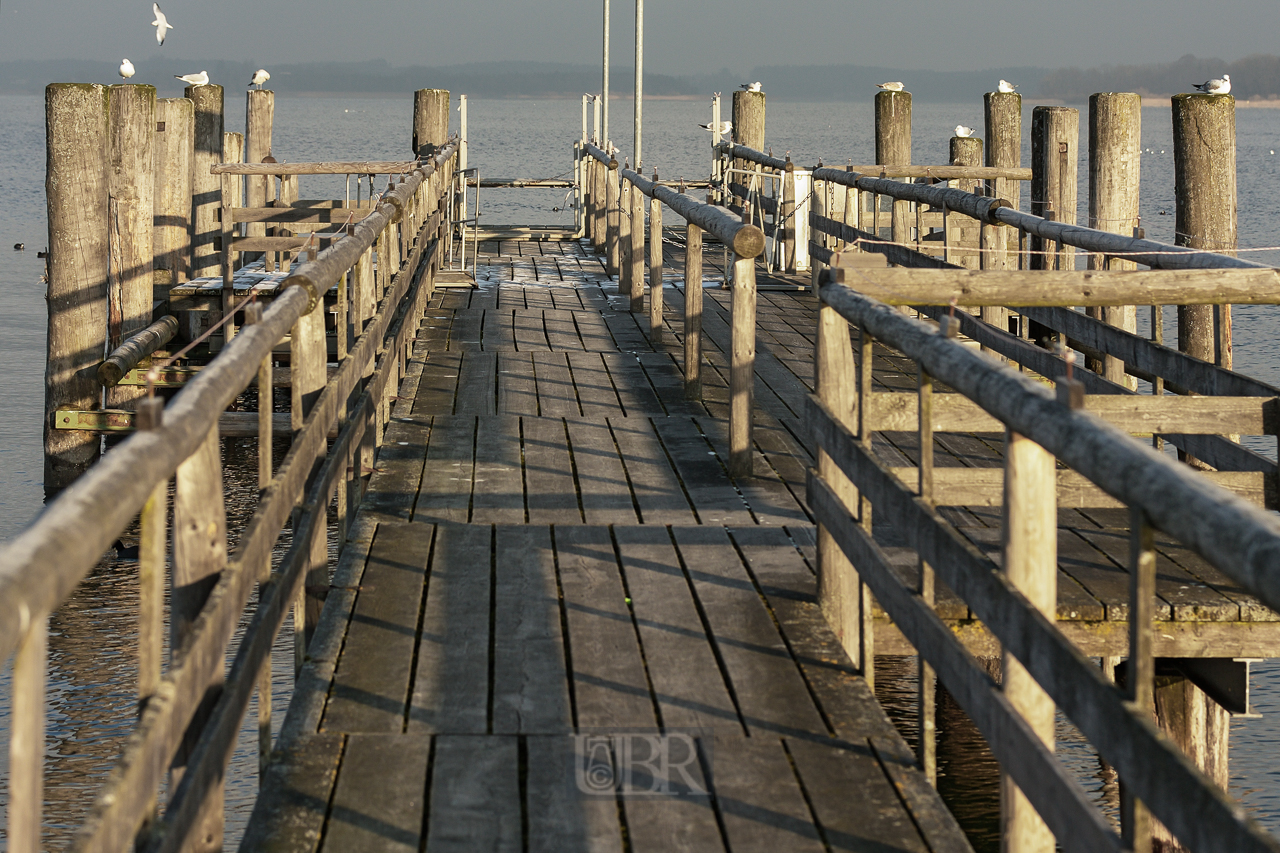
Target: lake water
point(92, 669)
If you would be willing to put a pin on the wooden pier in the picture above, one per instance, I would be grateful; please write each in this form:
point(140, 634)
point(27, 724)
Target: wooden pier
point(620, 530)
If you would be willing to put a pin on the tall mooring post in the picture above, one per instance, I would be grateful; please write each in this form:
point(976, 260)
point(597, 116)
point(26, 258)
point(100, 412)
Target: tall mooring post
point(175, 124)
point(76, 182)
point(1003, 122)
point(748, 130)
point(1055, 150)
point(966, 233)
point(1115, 166)
point(1204, 172)
point(206, 188)
point(430, 121)
point(893, 148)
point(259, 191)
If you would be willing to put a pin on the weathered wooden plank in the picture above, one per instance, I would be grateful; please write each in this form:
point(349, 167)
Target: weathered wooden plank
point(759, 797)
point(530, 685)
point(374, 670)
point(498, 492)
point(559, 327)
point(1075, 557)
point(770, 694)
point(551, 497)
point(378, 800)
point(687, 681)
point(393, 485)
point(290, 812)
point(477, 384)
point(632, 385)
point(776, 487)
point(438, 384)
point(684, 822)
point(557, 396)
point(451, 682)
point(528, 332)
point(595, 389)
point(517, 388)
point(657, 489)
point(561, 817)
point(705, 481)
point(447, 473)
point(610, 687)
point(475, 795)
point(601, 478)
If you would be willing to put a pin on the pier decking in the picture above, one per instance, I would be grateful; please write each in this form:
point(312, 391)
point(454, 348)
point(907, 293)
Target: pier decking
point(550, 545)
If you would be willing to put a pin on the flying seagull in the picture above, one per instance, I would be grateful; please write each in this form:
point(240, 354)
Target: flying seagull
point(963, 131)
point(126, 69)
point(201, 79)
point(1005, 86)
point(259, 77)
point(161, 23)
point(750, 87)
point(1217, 86)
point(892, 86)
point(725, 126)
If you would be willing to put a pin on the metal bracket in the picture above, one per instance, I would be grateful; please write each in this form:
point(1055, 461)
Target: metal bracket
point(1224, 680)
point(97, 420)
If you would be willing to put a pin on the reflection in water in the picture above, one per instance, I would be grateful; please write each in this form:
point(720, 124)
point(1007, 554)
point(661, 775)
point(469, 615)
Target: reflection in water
point(968, 774)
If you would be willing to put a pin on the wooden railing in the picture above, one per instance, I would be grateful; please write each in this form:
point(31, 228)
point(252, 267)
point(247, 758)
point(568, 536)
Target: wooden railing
point(616, 221)
point(191, 710)
point(852, 486)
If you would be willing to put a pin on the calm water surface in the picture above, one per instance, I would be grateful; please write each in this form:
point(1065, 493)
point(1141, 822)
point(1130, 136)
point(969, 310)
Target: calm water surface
point(92, 664)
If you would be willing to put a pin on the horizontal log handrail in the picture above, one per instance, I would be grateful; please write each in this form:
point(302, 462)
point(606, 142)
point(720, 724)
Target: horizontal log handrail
point(746, 240)
point(359, 167)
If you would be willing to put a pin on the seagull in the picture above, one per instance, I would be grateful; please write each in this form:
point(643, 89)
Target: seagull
point(963, 131)
point(261, 76)
point(161, 23)
point(1005, 86)
point(126, 69)
point(750, 87)
point(892, 86)
point(725, 126)
point(1217, 86)
point(201, 79)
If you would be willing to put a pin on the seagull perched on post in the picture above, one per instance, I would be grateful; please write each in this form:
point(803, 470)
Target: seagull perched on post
point(1005, 86)
point(1217, 86)
point(126, 69)
point(750, 87)
point(161, 23)
point(259, 77)
point(725, 126)
point(892, 86)
point(963, 132)
point(201, 79)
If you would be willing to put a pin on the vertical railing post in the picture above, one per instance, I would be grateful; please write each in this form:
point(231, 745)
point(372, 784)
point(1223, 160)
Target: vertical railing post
point(199, 556)
point(742, 359)
point(893, 148)
point(205, 187)
point(693, 312)
point(1135, 820)
point(307, 378)
point(965, 151)
point(655, 269)
point(26, 738)
point(787, 217)
point(175, 122)
point(1031, 563)
point(866, 652)
point(625, 245)
point(613, 197)
point(926, 747)
point(636, 256)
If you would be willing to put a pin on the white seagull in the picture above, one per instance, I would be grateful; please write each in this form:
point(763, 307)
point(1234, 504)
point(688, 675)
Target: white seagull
point(1005, 86)
point(963, 131)
point(892, 86)
point(161, 23)
point(725, 126)
point(126, 69)
point(259, 77)
point(201, 79)
point(750, 87)
point(1217, 86)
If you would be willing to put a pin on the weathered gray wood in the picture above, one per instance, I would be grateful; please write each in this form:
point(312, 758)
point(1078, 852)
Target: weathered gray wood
point(613, 219)
point(760, 799)
point(741, 237)
point(1055, 144)
point(430, 121)
point(76, 191)
point(1204, 166)
point(748, 119)
point(655, 271)
point(206, 187)
point(633, 230)
point(232, 197)
point(1115, 164)
point(26, 739)
point(259, 117)
point(127, 355)
point(475, 795)
point(378, 798)
point(742, 363)
point(175, 123)
point(560, 816)
point(289, 816)
point(693, 312)
point(893, 147)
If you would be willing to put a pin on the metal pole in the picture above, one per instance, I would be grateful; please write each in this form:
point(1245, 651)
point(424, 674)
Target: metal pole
point(639, 102)
point(585, 98)
point(595, 121)
point(604, 84)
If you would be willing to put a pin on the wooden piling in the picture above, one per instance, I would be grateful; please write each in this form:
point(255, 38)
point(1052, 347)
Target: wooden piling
point(131, 119)
point(1003, 123)
point(1055, 143)
point(430, 121)
point(1115, 165)
point(259, 117)
point(626, 271)
point(233, 186)
point(748, 130)
point(1031, 563)
point(76, 192)
point(1204, 169)
point(206, 188)
point(613, 197)
point(787, 217)
point(742, 360)
point(171, 233)
point(966, 151)
point(636, 256)
point(655, 271)
point(893, 148)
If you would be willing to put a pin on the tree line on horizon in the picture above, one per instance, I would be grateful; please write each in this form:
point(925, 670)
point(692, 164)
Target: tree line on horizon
point(1253, 77)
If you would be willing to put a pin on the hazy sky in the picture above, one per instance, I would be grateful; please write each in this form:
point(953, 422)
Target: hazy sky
point(681, 36)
